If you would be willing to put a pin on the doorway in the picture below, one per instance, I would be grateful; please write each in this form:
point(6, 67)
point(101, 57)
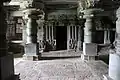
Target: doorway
point(61, 37)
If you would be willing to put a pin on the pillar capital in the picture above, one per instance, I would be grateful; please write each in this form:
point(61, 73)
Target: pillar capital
point(118, 13)
point(33, 13)
point(39, 4)
point(90, 13)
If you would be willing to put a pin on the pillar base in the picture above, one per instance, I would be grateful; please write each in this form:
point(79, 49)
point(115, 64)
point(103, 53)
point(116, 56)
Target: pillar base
point(31, 52)
point(7, 67)
point(88, 57)
point(90, 49)
point(32, 49)
point(106, 77)
point(114, 66)
point(33, 58)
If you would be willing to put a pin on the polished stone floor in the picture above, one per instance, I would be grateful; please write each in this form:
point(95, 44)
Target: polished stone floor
point(61, 69)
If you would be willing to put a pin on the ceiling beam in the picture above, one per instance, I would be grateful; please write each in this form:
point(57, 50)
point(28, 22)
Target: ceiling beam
point(61, 1)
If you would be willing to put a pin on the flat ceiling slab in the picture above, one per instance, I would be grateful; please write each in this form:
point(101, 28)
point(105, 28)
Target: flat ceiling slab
point(61, 1)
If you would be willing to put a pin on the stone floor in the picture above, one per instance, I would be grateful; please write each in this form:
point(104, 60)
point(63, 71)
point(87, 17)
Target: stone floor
point(60, 65)
point(61, 69)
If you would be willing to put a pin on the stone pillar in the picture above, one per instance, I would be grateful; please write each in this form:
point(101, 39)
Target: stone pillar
point(6, 59)
point(68, 37)
point(107, 37)
point(49, 32)
point(40, 31)
point(31, 46)
point(24, 34)
point(75, 32)
point(79, 47)
point(114, 61)
point(52, 32)
point(46, 28)
point(89, 45)
point(72, 32)
point(88, 38)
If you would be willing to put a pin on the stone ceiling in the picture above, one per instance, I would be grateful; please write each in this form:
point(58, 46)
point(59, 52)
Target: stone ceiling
point(60, 4)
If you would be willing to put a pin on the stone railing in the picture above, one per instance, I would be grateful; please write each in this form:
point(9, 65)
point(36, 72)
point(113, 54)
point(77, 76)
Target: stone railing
point(47, 45)
point(73, 44)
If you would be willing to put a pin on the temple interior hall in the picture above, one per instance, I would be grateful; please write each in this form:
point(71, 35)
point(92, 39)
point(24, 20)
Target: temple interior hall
point(59, 40)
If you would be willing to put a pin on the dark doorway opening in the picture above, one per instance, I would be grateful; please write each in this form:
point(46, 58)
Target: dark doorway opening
point(99, 37)
point(61, 38)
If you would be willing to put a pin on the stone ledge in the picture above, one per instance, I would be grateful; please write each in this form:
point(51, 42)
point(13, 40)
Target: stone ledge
point(88, 57)
point(30, 57)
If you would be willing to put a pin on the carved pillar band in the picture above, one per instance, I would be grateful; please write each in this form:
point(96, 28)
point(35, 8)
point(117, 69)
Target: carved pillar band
point(88, 31)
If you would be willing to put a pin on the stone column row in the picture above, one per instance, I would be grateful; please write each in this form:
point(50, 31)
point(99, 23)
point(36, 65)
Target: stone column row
point(49, 32)
point(72, 33)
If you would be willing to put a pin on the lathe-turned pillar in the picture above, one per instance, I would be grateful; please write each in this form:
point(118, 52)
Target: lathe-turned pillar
point(31, 46)
point(89, 45)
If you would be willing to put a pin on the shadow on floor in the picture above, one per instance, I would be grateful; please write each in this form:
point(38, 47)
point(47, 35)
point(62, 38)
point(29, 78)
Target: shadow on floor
point(53, 58)
point(104, 58)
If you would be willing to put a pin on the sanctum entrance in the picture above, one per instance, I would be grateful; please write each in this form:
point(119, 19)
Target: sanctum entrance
point(61, 38)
